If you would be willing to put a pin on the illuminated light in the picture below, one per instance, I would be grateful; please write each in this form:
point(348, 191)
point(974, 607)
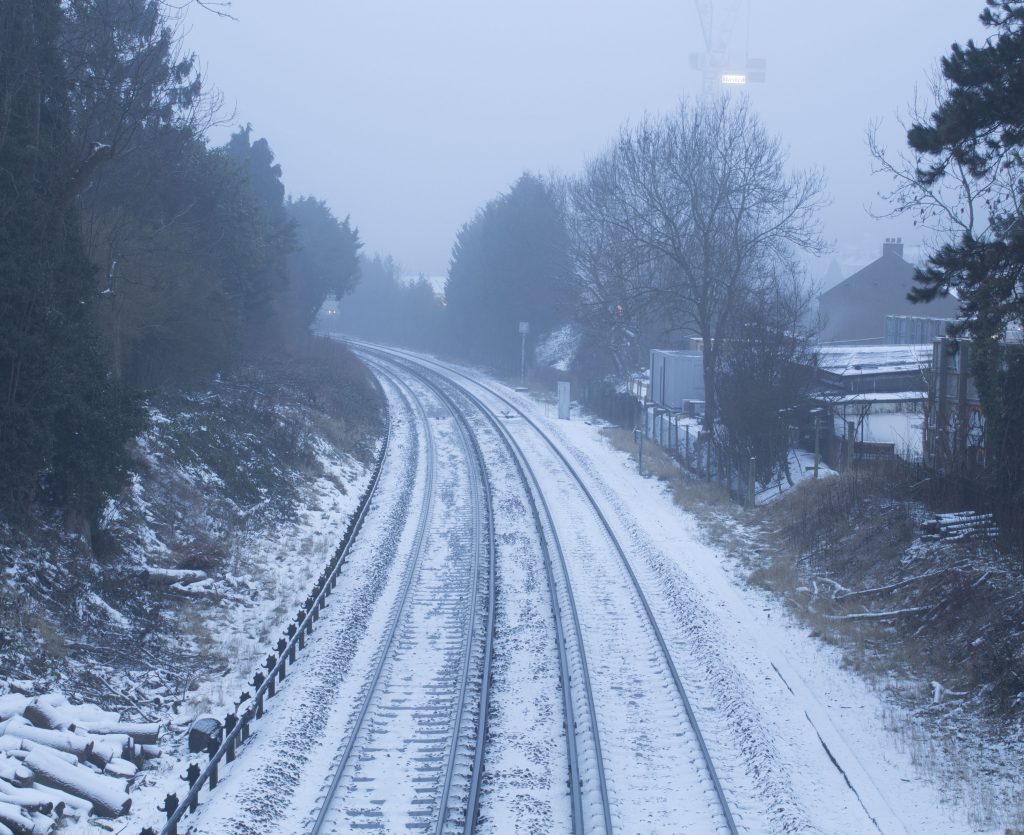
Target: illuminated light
point(734, 78)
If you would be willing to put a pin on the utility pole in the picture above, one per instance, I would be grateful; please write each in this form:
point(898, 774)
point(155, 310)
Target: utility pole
point(751, 479)
point(524, 328)
point(817, 440)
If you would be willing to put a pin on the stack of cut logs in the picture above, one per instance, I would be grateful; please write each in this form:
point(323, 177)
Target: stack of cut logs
point(956, 526)
point(62, 760)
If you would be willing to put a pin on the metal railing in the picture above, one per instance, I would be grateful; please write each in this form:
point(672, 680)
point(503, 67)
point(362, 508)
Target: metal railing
point(237, 728)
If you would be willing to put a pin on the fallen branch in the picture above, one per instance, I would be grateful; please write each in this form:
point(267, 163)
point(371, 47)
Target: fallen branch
point(15, 818)
point(831, 582)
point(850, 595)
point(879, 615)
point(143, 733)
point(32, 800)
point(13, 772)
point(174, 575)
point(939, 693)
point(79, 746)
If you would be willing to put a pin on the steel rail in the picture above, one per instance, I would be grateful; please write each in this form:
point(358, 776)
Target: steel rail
point(656, 630)
point(479, 485)
point(532, 489)
point(418, 541)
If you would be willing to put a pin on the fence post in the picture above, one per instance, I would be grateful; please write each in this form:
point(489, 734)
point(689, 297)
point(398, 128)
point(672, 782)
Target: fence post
point(851, 430)
point(192, 776)
point(282, 644)
point(817, 445)
point(257, 682)
point(229, 725)
point(640, 458)
point(269, 664)
point(170, 807)
point(291, 651)
point(212, 751)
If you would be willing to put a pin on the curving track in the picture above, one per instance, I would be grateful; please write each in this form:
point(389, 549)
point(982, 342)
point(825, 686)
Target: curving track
point(412, 755)
point(480, 520)
point(655, 765)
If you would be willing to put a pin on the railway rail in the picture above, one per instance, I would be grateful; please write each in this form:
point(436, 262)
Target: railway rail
point(431, 719)
point(578, 702)
point(726, 821)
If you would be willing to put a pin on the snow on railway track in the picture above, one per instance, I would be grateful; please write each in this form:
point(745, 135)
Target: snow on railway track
point(406, 711)
point(592, 731)
point(413, 754)
point(655, 769)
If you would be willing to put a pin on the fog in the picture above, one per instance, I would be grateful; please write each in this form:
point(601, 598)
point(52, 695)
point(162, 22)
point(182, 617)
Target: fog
point(410, 116)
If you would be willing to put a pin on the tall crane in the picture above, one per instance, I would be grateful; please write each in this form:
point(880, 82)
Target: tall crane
point(719, 63)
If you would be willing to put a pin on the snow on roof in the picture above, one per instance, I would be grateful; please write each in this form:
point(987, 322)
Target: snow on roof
point(845, 360)
point(872, 397)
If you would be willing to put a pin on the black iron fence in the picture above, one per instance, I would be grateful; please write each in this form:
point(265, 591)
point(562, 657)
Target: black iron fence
point(222, 747)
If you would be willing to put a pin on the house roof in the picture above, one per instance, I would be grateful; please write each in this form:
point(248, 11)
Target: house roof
point(856, 308)
point(832, 398)
point(853, 360)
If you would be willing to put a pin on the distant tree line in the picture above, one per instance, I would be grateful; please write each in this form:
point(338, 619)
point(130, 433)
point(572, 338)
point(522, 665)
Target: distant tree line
point(687, 226)
point(387, 308)
point(510, 264)
point(133, 253)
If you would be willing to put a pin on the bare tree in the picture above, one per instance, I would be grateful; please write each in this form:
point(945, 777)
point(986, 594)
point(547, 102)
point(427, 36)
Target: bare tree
point(606, 267)
point(940, 192)
point(703, 212)
point(767, 372)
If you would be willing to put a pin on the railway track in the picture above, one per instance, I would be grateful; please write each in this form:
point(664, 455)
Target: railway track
point(413, 755)
point(578, 704)
point(612, 634)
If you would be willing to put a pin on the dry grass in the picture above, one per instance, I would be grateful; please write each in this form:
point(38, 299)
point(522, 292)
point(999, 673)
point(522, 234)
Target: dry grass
point(860, 532)
point(707, 500)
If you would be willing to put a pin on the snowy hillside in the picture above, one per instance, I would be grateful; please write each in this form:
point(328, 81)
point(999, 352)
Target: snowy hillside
point(163, 611)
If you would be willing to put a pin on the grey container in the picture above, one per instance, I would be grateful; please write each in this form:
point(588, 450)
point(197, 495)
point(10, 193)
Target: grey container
point(914, 330)
point(677, 377)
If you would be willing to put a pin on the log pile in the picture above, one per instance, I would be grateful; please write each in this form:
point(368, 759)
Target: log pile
point(59, 760)
point(959, 526)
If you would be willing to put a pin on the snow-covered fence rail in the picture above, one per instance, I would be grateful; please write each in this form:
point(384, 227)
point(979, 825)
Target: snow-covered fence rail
point(237, 728)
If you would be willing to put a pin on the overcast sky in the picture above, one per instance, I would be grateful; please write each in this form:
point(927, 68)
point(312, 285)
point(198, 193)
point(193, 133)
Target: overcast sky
point(410, 114)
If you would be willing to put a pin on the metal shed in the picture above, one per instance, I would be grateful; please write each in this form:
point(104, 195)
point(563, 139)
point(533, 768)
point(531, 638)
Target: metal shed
point(677, 377)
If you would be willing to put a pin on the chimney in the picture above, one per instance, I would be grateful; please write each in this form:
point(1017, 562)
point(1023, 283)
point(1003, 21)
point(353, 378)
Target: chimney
point(893, 246)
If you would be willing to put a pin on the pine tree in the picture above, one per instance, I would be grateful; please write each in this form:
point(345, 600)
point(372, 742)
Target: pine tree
point(509, 264)
point(325, 260)
point(977, 133)
point(63, 424)
point(973, 141)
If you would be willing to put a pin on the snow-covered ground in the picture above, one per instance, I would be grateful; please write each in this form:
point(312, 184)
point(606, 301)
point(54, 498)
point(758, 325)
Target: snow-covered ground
point(811, 738)
point(801, 744)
